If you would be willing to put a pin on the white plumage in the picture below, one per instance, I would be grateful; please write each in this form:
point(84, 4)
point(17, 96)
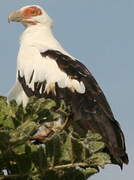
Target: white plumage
point(34, 40)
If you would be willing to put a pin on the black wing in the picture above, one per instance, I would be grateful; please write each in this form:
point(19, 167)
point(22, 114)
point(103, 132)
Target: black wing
point(91, 108)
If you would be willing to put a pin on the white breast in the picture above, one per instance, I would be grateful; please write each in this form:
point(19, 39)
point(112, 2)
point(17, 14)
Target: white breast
point(33, 42)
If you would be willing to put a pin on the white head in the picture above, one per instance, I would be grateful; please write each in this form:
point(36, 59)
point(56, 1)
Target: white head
point(31, 15)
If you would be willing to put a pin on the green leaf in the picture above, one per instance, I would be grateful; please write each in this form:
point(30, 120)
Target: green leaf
point(63, 154)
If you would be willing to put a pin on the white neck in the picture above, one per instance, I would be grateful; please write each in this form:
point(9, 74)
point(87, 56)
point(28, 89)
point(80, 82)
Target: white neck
point(40, 37)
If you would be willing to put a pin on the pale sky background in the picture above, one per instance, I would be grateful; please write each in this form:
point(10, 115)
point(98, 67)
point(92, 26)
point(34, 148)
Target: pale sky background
point(100, 33)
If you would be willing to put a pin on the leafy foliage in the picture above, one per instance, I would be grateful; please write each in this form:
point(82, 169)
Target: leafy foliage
point(63, 155)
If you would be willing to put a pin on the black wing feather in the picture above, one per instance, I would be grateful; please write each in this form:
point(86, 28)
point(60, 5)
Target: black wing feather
point(91, 108)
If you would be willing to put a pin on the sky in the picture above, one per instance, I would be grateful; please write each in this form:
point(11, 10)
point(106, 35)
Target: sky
point(100, 33)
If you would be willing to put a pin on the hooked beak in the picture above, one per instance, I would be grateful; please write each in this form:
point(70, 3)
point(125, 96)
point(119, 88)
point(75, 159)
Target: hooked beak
point(15, 16)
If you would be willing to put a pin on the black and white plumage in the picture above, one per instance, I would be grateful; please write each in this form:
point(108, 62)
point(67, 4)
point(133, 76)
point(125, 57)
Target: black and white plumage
point(46, 70)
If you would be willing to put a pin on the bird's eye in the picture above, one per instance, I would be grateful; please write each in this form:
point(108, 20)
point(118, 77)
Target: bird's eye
point(33, 11)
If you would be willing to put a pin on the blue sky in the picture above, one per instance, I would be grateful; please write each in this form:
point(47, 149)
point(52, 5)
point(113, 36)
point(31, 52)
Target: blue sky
point(100, 33)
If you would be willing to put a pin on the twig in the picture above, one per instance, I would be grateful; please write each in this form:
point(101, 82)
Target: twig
point(68, 166)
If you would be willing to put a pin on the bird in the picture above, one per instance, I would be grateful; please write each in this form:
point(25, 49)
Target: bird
point(46, 70)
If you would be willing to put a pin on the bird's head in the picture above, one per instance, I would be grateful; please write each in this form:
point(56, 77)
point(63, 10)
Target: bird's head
point(30, 15)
